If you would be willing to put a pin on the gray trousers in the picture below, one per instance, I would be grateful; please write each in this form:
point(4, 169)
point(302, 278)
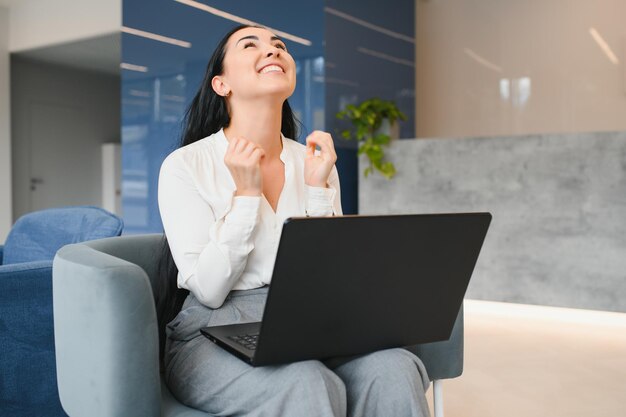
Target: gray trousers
point(202, 375)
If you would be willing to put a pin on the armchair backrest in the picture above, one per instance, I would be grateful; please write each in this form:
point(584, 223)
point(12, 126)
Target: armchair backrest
point(141, 250)
point(105, 327)
point(39, 235)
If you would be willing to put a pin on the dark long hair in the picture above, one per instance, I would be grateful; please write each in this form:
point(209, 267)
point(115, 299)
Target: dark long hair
point(206, 115)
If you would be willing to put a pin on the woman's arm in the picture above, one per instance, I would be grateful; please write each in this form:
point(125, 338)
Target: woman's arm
point(322, 201)
point(210, 252)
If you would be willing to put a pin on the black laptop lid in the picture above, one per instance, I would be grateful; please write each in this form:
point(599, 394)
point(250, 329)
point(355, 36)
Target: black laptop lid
point(367, 283)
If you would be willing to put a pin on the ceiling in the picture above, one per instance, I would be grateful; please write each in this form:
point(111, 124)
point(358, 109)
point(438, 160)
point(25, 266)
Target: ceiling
point(100, 54)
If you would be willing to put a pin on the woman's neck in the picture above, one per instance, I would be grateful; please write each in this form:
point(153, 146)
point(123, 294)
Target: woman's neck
point(259, 123)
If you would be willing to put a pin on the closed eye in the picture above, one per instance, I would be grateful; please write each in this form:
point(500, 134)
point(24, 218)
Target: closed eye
point(281, 46)
point(249, 44)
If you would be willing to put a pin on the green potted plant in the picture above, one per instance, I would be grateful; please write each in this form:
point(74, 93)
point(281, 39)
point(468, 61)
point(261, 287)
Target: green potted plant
point(368, 127)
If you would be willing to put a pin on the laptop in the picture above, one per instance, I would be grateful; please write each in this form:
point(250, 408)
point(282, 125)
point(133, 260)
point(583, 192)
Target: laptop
point(349, 285)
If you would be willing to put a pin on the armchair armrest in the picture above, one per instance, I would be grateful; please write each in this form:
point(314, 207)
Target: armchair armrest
point(106, 335)
point(1, 253)
point(443, 359)
point(27, 365)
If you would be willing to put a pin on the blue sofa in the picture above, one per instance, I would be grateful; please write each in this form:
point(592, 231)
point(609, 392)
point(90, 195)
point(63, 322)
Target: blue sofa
point(28, 384)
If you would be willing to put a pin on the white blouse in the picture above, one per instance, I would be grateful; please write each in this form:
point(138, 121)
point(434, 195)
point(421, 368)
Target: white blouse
point(221, 242)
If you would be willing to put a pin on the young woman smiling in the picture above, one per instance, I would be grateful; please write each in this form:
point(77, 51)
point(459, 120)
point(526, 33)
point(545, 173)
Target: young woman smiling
point(223, 196)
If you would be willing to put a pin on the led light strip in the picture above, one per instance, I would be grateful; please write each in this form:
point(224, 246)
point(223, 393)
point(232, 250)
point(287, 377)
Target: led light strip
point(243, 21)
point(132, 67)
point(545, 313)
point(385, 57)
point(321, 79)
point(369, 25)
point(155, 37)
point(482, 61)
point(604, 46)
point(139, 93)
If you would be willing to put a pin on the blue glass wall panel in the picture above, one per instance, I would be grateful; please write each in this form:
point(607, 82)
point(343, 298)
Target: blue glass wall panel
point(346, 62)
point(370, 52)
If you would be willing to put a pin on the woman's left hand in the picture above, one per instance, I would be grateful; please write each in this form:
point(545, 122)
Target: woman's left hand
point(317, 168)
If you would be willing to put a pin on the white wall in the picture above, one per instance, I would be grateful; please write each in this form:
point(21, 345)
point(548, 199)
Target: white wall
point(95, 98)
point(40, 23)
point(5, 128)
point(464, 49)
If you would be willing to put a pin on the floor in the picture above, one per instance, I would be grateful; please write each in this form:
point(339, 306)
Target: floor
point(539, 361)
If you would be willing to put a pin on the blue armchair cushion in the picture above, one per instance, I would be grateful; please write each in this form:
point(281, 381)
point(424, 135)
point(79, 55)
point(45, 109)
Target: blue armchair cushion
point(38, 236)
point(27, 362)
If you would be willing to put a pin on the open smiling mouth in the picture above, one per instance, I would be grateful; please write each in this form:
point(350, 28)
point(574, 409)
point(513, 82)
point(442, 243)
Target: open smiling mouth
point(271, 68)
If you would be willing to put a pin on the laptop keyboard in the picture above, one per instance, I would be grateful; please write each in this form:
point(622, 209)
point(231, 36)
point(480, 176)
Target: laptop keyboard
point(248, 341)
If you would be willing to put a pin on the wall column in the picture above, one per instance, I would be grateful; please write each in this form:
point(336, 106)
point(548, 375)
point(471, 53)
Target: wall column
point(5, 128)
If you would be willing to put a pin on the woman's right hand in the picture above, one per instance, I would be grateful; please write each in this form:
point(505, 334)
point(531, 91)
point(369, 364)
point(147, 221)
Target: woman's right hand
point(243, 160)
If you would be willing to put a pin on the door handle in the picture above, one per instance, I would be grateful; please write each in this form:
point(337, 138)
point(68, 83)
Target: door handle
point(34, 182)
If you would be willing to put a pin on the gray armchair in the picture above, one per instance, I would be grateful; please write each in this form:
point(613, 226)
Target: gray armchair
point(107, 339)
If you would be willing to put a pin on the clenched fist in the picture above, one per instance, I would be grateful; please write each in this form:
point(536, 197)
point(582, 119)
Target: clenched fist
point(317, 168)
point(243, 160)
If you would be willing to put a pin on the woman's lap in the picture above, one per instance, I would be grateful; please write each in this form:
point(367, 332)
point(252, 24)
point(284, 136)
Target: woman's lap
point(390, 382)
point(204, 376)
point(211, 379)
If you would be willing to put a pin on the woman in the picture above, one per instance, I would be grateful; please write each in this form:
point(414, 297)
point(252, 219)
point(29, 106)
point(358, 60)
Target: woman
point(223, 196)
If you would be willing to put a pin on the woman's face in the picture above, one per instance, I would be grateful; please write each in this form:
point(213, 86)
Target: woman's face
point(256, 64)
